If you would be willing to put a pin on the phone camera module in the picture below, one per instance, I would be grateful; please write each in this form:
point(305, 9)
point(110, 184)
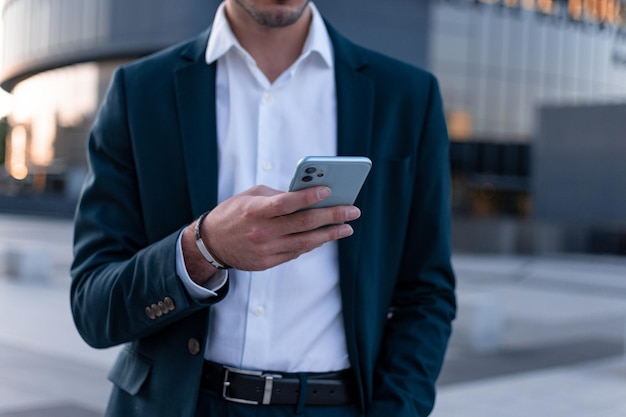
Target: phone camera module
point(307, 178)
point(310, 170)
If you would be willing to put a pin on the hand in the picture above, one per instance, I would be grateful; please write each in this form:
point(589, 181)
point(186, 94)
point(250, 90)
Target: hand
point(263, 227)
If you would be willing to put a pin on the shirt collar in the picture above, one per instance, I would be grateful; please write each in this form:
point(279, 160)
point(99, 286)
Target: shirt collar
point(222, 38)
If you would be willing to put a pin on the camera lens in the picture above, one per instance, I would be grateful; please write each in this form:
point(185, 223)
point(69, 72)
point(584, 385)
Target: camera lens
point(307, 178)
point(310, 170)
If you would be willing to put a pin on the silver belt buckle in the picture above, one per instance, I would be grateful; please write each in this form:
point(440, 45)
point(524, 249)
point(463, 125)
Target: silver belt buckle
point(267, 389)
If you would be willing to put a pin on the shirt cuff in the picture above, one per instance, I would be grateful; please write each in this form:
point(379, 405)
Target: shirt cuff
point(198, 292)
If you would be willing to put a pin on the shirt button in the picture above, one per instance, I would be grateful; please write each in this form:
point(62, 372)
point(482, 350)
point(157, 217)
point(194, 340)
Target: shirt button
point(267, 165)
point(258, 310)
point(268, 97)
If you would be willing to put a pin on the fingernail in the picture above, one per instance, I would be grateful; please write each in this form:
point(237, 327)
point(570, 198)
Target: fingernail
point(345, 230)
point(353, 213)
point(323, 193)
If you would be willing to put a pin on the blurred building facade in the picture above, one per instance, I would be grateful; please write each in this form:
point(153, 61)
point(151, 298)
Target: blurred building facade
point(499, 63)
point(57, 60)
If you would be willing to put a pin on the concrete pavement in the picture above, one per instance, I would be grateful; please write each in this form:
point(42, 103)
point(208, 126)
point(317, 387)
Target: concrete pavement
point(535, 336)
point(46, 370)
point(557, 349)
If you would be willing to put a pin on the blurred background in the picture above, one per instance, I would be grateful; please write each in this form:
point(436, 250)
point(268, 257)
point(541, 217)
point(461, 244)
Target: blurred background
point(535, 99)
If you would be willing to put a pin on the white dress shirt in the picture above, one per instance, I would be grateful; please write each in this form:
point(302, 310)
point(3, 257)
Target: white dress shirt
point(287, 318)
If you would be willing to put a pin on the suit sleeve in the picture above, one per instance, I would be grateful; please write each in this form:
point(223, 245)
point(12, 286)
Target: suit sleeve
point(124, 286)
point(423, 304)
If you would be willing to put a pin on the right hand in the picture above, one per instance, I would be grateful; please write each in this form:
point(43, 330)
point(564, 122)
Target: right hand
point(263, 227)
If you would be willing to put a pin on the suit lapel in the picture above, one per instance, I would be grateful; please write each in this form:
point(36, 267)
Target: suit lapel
point(355, 104)
point(195, 99)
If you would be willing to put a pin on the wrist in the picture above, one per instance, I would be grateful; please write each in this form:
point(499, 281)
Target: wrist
point(202, 247)
point(198, 269)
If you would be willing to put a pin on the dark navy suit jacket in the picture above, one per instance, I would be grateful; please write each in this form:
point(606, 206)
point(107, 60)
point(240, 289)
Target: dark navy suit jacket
point(153, 159)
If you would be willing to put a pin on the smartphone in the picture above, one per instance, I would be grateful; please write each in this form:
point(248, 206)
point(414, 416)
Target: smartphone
point(344, 175)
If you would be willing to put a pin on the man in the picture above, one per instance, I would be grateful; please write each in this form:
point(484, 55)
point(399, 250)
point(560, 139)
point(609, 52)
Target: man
point(230, 298)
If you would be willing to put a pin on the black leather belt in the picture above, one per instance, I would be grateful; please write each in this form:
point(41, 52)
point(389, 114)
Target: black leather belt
point(265, 388)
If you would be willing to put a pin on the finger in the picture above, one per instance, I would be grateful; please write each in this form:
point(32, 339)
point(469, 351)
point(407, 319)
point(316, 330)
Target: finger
point(292, 246)
point(299, 243)
point(307, 220)
point(286, 203)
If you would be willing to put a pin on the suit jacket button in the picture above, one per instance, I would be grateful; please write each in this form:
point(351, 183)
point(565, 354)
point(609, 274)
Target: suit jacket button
point(194, 346)
point(169, 303)
point(150, 313)
point(162, 308)
point(155, 308)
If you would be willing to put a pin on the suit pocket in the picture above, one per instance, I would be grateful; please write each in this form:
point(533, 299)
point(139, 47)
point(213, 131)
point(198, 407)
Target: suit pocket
point(130, 371)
